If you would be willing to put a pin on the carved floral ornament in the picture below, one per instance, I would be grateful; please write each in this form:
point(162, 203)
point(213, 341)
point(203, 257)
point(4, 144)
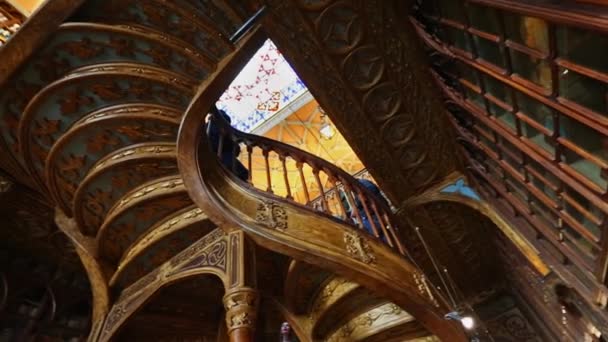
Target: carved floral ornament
point(271, 215)
point(358, 248)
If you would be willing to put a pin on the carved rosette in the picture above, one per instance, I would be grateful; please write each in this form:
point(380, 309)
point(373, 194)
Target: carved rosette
point(271, 215)
point(241, 308)
point(358, 247)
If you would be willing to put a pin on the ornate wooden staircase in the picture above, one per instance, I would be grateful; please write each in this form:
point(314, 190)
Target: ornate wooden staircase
point(329, 236)
point(91, 121)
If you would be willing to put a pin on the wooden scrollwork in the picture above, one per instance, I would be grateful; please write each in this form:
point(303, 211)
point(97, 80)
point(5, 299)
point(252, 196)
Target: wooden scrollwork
point(271, 215)
point(358, 248)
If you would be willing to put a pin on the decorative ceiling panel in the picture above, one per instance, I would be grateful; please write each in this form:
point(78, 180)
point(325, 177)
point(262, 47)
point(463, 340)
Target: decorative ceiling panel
point(266, 85)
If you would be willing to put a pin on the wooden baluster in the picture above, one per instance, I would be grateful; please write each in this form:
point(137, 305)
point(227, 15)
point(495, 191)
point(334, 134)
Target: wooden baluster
point(286, 177)
point(333, 181)
point(220, 145)
point(367, 213)
point(349, 195)
point(235, 148)
point(393, 232)
point(208, 128)
point(265, 152)
point(249, 162)
point(299, 165)
point(315, 172)
point(384, 223)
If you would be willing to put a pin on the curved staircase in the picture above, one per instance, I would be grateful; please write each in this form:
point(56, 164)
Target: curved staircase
point(92, 120)
point(329, 235)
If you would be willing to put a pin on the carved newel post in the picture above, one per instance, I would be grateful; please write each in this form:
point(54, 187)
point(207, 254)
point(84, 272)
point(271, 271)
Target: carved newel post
point(241, 305)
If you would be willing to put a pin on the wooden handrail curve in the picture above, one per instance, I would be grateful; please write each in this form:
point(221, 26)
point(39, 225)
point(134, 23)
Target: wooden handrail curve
point(355, 205)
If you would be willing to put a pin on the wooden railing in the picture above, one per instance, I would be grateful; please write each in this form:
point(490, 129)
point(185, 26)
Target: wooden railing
point(349, 200)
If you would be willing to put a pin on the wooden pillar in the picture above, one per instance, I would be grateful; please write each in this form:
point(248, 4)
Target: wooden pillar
point(241, 305)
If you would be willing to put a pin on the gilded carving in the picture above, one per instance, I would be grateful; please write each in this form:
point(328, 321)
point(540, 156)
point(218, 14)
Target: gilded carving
point(386, 315)
point(424, 289)
point(271, 215)
point(358, 247)
point(134, 152)
point(331, 292)
point(212, 256)
point(241, 308)
point(198, 246)
point(93, 201)
point(163, 185)
point(240, 320)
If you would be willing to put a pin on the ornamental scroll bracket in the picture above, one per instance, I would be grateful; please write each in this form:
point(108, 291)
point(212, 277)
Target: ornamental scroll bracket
point(271, 215)
point(358, 248)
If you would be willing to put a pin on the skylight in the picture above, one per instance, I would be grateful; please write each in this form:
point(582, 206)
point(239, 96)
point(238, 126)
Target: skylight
point(266, 86)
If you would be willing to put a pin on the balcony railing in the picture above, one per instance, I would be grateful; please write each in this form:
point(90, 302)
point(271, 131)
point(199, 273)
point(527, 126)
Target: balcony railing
point(340, 195)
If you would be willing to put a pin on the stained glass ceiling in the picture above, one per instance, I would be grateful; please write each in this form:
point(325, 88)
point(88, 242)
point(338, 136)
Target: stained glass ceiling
point(266, 86)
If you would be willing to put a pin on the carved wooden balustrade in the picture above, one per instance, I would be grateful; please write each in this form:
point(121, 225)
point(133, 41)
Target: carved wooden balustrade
point(346, 199)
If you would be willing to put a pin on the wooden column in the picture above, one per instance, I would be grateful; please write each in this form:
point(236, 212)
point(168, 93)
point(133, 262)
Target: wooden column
point(241, 305)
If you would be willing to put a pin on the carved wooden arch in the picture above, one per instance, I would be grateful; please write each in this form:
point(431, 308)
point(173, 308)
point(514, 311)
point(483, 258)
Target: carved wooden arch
point(209, 255)
point(460, 194)
point(87, 254)
point(172, 224)
point(226, 256)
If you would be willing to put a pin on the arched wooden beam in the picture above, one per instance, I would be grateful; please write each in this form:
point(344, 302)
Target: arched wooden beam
point(102, 132)
point(88, 256)
point(193, 64)
point(476, 202)
point(206, 37)
point(136, 164)
point(164, 195)
point(188, 219)
point(138, 81)
point(301, 283)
